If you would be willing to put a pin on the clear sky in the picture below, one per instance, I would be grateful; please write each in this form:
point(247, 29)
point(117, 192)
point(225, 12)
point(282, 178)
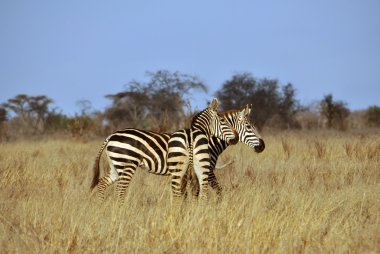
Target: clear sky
point(75, 50)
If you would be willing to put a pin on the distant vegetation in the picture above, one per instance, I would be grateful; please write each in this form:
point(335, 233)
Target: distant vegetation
point(272, 106)
point(162, 104)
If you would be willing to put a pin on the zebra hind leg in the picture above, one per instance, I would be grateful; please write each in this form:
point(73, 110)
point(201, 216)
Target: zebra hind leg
point(178, 183)
point(185, 179)
point(110, 177)
point(194, 183)
point(125, 177)
point(202, 172)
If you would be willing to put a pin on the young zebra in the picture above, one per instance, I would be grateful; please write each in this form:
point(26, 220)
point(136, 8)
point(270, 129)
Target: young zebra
point(129, 148)
point(239, 120)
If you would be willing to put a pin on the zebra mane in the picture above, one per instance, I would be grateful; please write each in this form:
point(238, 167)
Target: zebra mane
point(200, 119)
point(197, 116)
point(231, 111)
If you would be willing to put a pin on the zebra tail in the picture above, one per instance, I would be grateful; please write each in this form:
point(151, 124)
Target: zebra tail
point(95, 169)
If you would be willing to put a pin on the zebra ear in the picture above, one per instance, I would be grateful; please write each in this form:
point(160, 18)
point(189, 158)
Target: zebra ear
point(247, 109)
point(214, 104)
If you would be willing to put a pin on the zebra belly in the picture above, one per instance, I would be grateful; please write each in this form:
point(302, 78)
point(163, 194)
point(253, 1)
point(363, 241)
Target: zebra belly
point(159, 171)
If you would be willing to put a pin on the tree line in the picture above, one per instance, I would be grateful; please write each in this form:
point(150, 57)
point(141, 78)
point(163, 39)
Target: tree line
point(162, 104)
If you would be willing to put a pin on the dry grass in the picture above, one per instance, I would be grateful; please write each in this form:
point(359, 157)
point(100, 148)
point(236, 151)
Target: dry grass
point(315, 192)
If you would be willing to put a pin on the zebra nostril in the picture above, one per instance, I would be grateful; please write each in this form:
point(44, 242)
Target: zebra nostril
point(260, 147)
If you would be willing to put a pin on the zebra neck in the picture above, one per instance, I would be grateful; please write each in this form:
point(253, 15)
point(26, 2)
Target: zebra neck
point(200, 122)
point(217, 145)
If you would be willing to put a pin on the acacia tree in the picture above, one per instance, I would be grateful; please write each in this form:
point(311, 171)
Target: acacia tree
point(158, 104)
point(32, 110)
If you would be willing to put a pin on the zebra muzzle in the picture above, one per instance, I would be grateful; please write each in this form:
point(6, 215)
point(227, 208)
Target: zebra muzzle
point(260, 147)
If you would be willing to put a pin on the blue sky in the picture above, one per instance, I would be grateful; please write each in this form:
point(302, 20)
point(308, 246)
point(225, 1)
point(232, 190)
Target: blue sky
point(75, 50)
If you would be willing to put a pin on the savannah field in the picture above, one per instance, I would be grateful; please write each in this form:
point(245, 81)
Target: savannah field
point(314, 192)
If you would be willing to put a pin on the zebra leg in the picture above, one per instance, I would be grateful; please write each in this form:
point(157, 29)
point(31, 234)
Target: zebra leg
point(125, 177)
point(178, 163)
point(194, 183)
point(110, 177)
point(202, 170)
point(184, 185)
point(201, 163)
point(215, 184)
point(178, 181)
point(178, 170)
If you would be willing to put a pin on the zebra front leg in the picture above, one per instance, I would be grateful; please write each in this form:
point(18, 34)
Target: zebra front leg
point(215, 184)
point(125, 177)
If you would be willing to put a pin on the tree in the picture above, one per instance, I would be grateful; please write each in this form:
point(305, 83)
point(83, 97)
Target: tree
point(32, 110)
point(158, 104)
point(3, 119)
point(56, 122)
point(288, 107)
point(3, 115)
point(372, 116)
point(264, 95)
point(85, 107)
point(236, 92)
point(335, 112)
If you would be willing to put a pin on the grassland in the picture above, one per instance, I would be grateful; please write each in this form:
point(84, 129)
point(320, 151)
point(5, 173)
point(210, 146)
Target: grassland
point(307, 193)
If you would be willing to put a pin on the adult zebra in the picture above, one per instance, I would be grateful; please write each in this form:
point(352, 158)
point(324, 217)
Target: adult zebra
point(129, 148)
point(201, 152)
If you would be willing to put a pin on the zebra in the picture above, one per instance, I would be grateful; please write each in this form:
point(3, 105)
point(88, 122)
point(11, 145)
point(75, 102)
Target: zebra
point(129, 148)
point(239, 120)
point(200, 152)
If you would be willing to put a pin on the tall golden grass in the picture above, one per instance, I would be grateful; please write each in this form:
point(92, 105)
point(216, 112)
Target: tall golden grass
point(307, 192)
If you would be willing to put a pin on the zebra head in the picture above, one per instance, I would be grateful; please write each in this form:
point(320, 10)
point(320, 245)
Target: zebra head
point(214, 124)
point(248, 134)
